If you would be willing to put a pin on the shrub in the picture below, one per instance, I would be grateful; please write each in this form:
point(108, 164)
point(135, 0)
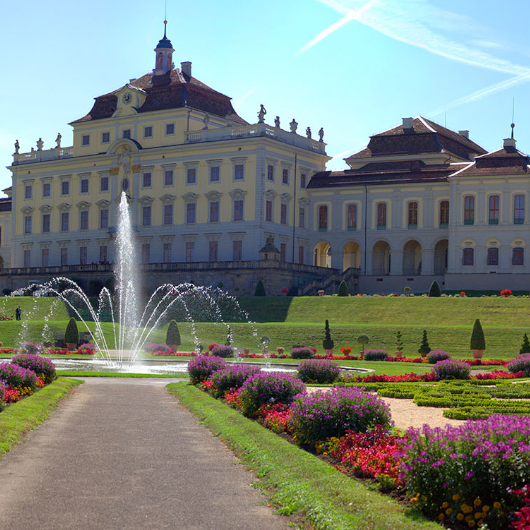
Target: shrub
point(203, 366)
point(15, 375)
point(399, 341)
point(363, 340)
point(260, 289)
point(322, 415)
point(302, 353)
point(151, 348)
point(31, 348)
point(7, 292)
point(172, 334)
point(71, 335)
point(320, 372)
point(474, 467)
point(434, 290)
point(280, 350)
point(450, 369)
point(437, 355)
point(477, 337)
point(506, 293)
point(424, 348)
point(327, 343)
point(521, 364)
point(525, 347)
point(343, 289)
point(223, 351)
point(268, 387)
point(39, 365)
point(88, 346)
point(231, 378)
point(375, 355)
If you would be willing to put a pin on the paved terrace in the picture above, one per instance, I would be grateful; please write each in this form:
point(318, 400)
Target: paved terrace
point(123, 453)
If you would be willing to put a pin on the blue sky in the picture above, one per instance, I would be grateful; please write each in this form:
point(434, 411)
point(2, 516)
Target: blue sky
point(354, 67)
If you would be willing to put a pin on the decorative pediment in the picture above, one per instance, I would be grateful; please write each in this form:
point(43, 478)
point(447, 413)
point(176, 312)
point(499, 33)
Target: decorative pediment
point(103, 203)
point(83, 242)
point(146, 200)
point(213, 195)
point(271, 194)
point(64, 207)
point(83, 205)
point(304, 201)
point(167, 198)
point(286, 197)
point(167, 239)
point(27, 210)
point(237, 194)
point(190, 197)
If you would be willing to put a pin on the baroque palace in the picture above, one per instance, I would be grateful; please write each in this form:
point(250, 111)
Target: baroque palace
point(219, 201)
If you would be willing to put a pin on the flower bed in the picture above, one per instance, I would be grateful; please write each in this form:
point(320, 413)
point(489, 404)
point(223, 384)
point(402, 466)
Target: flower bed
point(230, 378)
point(44, 368)
point(203, 366)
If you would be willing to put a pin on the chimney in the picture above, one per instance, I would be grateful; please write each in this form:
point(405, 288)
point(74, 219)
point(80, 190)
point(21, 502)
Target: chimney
point(408, 124)
point(186, 68)
point(465, 134)
point(509, 144)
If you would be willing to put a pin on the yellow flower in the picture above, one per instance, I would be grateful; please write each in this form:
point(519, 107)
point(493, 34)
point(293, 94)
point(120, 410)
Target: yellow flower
point(471, 524)
point(441, 517)
point(460, 516)
point(484, 515)
point(478, 515)
point(485, 508)
point(463, 507)
point(469, 518)
point(480, 522)
point(449, 511)
point(496, 505)
point(445, 505)
point(456, 497)
point(477, 502)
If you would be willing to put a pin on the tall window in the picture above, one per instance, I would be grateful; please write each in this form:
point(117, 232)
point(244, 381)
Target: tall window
point(103, 254)
point(104, 218)
point(381, 215)
point(518, 210)
point(146, 216)
point(65, 221)
point(27, 258)
point(285, 176)
point(104, 184)
point(468, 255)
point(237, 250)
point(146, 253)
point(45, 257)
point(83, 255)
point(303, 180)
point(83, 220)
point(127, 133)
point(444, 214)
point(214, 174)
point(493, 256)
point(493, 209)
point(214, 212)
point(268, 211)
point(46, 189)
point(518, 256)
point(65, 187)
point(238, 210)
point(352, 216)
point(301, 217)
point(27, 224)
point(469, 210)
point(239, 172)
point(283, 251)
point(270, 172)
point(412, 214)
point(168, 214)
point(166, 257)
point(191, 175)
point(84, 186)
point(148, 131)
point(46, 222)
point(283, 214)
point(212, 251)
point(168, 177)
point(190, 212)
point(190, 250)
point(322, 218)
point(64, 256)
point(301, 255)
point(147, 178)
point(28, 190)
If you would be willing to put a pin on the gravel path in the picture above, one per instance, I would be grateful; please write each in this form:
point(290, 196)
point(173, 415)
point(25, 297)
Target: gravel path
point(123, 453)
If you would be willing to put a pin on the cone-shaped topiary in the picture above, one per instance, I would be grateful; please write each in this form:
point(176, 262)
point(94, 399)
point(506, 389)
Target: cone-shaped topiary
point(434, 290)
point(399, 341)
point(327, 343)
point(260, 289)
point(173, 334)
point(477, 337)
point(71, 335)
point(424, 348)
point(343, 289)
point(525, 348)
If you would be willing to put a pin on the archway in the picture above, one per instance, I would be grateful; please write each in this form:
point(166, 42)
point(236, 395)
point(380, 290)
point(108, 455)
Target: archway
point(381, 259)
point(322, 255)
point(440, 257)
point(351, 255)
point(412, 258)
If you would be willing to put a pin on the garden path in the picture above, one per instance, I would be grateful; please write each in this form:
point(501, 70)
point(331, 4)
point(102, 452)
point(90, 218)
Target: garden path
point(123, 453)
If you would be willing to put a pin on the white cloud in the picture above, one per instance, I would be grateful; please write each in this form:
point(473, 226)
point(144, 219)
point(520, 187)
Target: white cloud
point(240, 100)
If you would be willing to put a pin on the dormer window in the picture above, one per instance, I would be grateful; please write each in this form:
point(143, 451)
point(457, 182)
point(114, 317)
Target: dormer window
point(85, 139)
point(170, 128)
point(105, 137)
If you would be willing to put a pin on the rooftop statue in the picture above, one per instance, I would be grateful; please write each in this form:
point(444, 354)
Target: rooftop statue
point(261, 114)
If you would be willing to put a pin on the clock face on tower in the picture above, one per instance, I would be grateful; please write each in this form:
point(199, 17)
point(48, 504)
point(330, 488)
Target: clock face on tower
point(127, 98)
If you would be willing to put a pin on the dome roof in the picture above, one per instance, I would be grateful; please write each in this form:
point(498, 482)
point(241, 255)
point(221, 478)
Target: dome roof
point(164, 43)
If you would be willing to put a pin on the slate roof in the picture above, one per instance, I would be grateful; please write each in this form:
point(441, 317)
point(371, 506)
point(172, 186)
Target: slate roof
point(170, 91)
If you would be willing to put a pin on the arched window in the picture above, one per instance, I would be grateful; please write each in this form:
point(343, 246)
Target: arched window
point(468, 256)
point(469, 210)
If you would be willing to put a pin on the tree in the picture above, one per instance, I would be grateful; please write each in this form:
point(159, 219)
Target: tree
point(327, 343)
point(478, 342)
point(173, 334)
point(343, 289)
point(434, 291)
point(399, 341)
point(260, 289)
point(424, 348)
point(525, 348)
point(71, 335)
point(363, 340)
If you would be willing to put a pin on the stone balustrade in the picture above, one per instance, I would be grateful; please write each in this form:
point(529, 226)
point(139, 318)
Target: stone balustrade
point(43, 156)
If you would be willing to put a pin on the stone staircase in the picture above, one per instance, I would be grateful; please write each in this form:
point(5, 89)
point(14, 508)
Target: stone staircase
point(331, 284)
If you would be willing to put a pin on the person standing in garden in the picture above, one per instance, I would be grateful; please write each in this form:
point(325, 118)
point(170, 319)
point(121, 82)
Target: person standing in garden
point(18, 312)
